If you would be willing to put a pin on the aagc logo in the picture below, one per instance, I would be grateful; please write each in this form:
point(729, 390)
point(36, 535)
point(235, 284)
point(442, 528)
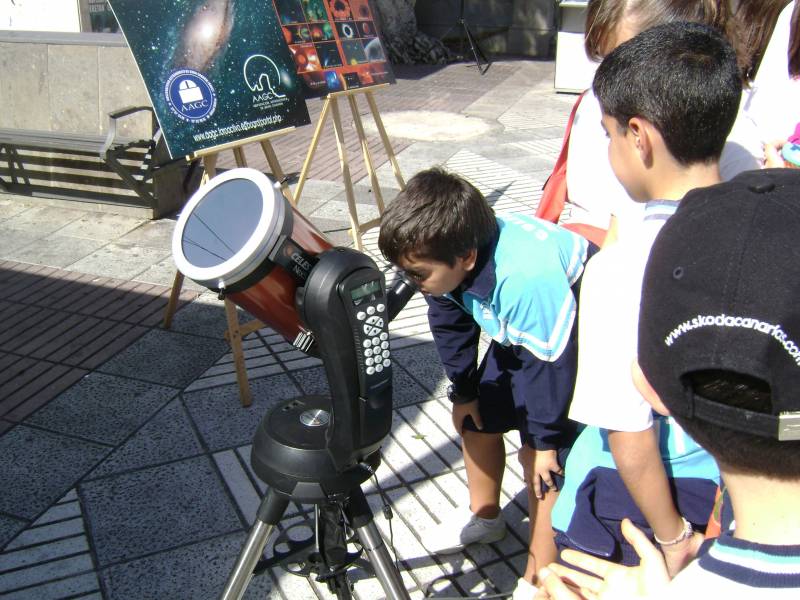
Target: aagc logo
point(190, 96)
point(263, 77)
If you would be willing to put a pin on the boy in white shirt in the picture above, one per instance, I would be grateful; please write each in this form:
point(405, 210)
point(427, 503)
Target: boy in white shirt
point(669, 98)
point(719, 349)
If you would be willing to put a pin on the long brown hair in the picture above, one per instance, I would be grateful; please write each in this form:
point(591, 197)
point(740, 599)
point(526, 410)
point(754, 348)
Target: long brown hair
point(603, 18)
point(755, 21)
point(794, 42)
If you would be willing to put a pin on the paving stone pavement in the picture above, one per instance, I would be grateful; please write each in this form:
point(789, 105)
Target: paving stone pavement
point(128, 478)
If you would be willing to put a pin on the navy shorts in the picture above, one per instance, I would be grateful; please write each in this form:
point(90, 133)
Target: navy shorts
point(501, 410)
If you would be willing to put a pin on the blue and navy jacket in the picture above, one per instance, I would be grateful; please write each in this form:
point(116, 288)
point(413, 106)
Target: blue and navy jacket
point(520, 293)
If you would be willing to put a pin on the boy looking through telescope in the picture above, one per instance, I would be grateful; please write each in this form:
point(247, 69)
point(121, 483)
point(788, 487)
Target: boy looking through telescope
point(516, 278)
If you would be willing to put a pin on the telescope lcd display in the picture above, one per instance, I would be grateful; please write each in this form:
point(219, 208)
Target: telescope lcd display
point(368, 289)
point(222, 223)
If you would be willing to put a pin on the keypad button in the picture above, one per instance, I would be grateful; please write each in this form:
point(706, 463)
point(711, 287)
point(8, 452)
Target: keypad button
point(377, 342)
point(380, 308)
point(372, 320)
point(367, 329)
point(370, 310)
point(385, 354)
point(378, 368)
point(367, 343)
point(361, 315)
point(368, 352)
point(369, 362)
point(379, 322)
point(384, 336)
point(387, 363)
point(371, 370)
point(384, 345)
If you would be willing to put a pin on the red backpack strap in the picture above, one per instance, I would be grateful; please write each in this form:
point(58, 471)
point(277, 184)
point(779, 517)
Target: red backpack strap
point(554, 191)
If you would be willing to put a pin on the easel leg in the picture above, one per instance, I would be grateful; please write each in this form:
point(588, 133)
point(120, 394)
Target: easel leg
point(172, 304)
point(385, 138)
point(373, 178)
point(235, 335)
point(311, 150)
point(209, 170)
point(269, 514)
point(355, 227)
point(277, 171)
point(238, 155)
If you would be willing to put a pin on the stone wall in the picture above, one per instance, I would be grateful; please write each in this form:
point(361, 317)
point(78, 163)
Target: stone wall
point(68, 82)
point(521, 27)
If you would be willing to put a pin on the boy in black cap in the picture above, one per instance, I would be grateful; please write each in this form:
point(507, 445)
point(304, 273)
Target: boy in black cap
point(719, 350)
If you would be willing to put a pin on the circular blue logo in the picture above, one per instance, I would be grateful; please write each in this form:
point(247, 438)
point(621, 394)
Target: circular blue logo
point(190, 95)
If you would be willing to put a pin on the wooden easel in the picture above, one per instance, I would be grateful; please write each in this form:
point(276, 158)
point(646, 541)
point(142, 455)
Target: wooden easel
point(235, 331)
point(331, 106)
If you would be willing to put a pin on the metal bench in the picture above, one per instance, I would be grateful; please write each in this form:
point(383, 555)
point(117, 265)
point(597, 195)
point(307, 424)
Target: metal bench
point(109, 169)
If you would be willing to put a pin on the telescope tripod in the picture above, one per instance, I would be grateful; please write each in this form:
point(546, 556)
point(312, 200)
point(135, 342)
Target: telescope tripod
point(332, 560)
point(298, 468)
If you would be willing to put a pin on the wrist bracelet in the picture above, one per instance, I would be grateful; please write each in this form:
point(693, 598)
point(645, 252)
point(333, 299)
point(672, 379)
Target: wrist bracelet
point(684, 535)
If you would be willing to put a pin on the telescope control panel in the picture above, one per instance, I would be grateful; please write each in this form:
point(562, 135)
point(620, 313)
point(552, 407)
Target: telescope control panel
point(370, 324)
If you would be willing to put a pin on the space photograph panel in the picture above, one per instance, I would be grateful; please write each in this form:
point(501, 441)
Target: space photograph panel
point(334, 44)
point(217, 71)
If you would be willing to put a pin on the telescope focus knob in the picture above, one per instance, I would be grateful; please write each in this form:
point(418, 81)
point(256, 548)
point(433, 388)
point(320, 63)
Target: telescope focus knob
point(304, 341)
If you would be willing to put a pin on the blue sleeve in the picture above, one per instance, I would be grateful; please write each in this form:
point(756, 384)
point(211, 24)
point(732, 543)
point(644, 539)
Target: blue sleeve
point(456, 335)
point(546, 389)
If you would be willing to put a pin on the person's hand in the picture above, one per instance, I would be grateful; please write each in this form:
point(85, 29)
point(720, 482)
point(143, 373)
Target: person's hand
point(772, 154)
point(610, 580)
point(552, 587)
point(681, 554)
point(539, 466)
point(545, 463)
point(462, 411)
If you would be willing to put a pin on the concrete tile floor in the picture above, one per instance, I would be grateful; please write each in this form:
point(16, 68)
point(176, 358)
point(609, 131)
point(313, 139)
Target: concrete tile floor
point(135, 482)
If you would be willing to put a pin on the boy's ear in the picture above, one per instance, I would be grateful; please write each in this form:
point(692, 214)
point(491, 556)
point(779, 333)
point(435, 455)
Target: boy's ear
point(646, 390)
point(469, 259)
point(641, 137)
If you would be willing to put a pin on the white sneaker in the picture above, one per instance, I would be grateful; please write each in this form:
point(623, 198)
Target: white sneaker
point(524, 590)
point(462, 530)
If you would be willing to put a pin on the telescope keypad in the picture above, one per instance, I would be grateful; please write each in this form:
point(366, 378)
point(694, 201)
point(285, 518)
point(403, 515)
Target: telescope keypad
point(371, 323)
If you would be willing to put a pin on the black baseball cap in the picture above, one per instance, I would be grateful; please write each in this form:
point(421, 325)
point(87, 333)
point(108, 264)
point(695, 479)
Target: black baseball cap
point(721, 291)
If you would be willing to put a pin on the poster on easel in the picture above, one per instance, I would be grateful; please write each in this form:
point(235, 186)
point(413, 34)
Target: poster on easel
point(216, 71)
point(334, 44)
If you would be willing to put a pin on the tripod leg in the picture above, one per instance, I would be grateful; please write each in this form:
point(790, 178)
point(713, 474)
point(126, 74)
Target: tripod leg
point(477, 51)
point(360, 516)
point(269, 514)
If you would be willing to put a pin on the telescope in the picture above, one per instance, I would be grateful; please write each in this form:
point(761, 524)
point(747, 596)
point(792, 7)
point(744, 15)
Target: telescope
point(240, 237)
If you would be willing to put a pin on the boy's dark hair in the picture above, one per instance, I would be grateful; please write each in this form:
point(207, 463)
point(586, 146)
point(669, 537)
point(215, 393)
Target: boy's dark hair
point(738, 451)
point(683, 78)
point(439, 216)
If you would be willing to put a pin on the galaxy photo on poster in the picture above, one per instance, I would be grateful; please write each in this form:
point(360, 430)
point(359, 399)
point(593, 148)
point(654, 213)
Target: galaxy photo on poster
point(216, 71)
point(334, 44)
